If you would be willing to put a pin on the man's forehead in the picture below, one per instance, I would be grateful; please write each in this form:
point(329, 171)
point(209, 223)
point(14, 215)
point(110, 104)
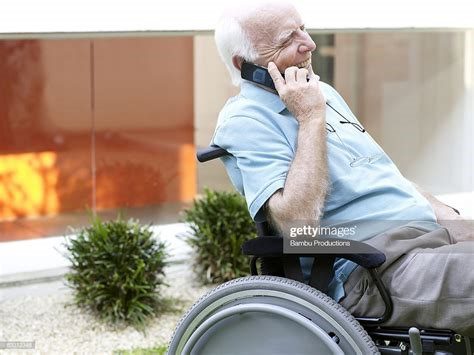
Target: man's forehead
point(275, 21)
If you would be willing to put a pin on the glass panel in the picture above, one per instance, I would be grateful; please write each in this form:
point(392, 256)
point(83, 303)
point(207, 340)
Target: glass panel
point(323, 57)
point(44, 134)
point(144, 124)
point(85, 124)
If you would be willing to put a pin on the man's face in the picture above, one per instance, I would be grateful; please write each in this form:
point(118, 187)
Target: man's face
point(279, 36)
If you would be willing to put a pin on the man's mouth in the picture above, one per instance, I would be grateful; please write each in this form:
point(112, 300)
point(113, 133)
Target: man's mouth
point(304, 64)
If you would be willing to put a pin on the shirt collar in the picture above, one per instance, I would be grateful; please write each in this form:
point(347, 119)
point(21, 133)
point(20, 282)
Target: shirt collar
point(271, 100)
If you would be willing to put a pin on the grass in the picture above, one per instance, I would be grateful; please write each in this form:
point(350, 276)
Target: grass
point(171, 305)
point(157, 350)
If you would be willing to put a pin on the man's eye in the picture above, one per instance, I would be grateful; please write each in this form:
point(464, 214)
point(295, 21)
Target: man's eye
point(302, 28)
point(286, 41)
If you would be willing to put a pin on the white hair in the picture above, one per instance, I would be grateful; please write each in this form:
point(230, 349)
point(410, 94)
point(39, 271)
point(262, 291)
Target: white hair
point(232, 40)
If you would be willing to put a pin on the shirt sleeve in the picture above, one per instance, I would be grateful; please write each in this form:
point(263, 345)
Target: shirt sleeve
point(263, 157)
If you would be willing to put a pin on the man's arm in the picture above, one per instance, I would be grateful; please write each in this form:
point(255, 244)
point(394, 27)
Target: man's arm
point(459, 228)
point(306, 185)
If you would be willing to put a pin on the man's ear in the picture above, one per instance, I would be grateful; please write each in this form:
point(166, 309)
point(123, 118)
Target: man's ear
point(237, 62)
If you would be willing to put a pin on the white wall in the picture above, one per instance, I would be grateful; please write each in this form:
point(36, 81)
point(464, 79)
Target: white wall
point(95, 16)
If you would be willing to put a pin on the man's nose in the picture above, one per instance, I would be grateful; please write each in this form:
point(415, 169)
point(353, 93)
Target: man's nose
point(307, 44)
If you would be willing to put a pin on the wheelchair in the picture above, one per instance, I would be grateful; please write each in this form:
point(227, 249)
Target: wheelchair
point(276, 312)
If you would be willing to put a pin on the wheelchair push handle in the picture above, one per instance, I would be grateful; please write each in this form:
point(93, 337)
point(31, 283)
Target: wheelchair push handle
point(210, 153)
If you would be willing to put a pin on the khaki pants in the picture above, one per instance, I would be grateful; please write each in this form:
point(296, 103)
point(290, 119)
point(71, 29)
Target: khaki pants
point(429, 277)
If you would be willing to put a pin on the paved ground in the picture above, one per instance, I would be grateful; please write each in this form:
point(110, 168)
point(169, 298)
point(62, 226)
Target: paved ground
point(38, 313)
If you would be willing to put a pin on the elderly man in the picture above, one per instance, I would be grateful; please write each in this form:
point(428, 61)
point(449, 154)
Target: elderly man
point(299, 154)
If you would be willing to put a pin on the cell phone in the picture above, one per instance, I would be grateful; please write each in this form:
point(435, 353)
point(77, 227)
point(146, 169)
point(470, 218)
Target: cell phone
point(257, 74)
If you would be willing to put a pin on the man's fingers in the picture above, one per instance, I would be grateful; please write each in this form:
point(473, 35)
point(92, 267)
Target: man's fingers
point(314, 80)
point(290, 75)
point(276, 76)
point(314, 77)
point(302, 75)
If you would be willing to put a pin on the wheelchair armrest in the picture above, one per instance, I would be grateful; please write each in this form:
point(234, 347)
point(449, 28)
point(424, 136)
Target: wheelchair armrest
point(270, 246)
point(266, 246)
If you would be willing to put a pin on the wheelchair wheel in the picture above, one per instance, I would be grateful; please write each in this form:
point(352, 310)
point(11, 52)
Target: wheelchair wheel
point(268, 315)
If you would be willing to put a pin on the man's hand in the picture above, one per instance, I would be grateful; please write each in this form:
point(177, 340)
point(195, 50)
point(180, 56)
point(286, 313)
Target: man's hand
point(303, 98)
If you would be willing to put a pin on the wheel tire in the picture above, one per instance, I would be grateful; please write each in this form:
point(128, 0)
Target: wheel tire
point(296, 296)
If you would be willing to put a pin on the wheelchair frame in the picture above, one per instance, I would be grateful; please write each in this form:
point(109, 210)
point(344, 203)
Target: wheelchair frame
point(389, 340)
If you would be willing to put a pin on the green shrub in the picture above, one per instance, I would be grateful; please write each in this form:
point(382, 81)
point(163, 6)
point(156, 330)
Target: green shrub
point(220, 223)
point(117, 270)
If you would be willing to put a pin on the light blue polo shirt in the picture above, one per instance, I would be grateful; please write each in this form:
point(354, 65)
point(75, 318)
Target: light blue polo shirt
point(365, 185)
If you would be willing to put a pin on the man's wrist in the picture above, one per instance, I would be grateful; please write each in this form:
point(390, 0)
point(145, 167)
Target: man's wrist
point(312, 118)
